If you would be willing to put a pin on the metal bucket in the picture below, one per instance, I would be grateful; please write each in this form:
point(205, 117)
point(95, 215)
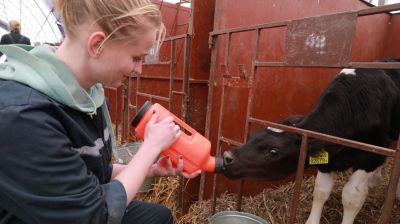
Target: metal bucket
point(234, 217)
point(124, 154)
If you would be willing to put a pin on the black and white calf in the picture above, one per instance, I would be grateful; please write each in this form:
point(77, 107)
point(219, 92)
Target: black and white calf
point(359, 104)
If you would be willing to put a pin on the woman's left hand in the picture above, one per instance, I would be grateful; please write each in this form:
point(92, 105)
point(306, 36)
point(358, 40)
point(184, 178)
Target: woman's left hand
point(164, 167)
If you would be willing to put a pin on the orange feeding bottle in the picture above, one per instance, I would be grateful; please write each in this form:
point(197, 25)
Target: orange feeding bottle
point(194, 147)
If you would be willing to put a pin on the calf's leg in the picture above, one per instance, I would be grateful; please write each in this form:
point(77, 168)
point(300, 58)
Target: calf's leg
point(354, 194)
point(376, 177)
point(322, 190)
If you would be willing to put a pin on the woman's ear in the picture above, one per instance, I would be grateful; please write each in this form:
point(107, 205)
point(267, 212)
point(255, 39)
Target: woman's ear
point(94, 43)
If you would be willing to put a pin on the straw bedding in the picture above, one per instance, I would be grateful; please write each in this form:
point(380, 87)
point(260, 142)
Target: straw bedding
point(273, 205)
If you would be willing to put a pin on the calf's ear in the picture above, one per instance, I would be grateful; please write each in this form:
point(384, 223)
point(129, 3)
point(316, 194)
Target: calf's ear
point(315, 146)
point(293, 120)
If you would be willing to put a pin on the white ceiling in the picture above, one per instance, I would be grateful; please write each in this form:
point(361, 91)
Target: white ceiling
point(382, 2)
point(176, 1)
point(36, 17)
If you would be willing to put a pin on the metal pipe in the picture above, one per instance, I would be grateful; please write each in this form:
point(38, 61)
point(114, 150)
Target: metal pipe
point(171, 74)
point(391, 192)
point(328, 138)
point(128, 106)
point(116, 115)
point(191, 81)
point(157, 63)
point(186, 84)
point(376, 65)
point(299, 178)
point(220, 134)
point(377, 10)
point(176, 37)
point(178, 93)
point(239, 196)
point(151, 96)
point(210, 98)
point(230, 141)
point(252, 27)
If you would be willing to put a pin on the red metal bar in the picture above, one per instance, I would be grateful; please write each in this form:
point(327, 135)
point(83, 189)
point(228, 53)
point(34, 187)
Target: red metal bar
point(299, 179)
point(128, 100)
point(161, 4)
point(174, 25)
point(214, 188)
point(157, 63)
point(391, 192)
point(328, 138)
point(236, 82)
point(186, 84)
point(137, 91)
point(176, 37)
point(178, 93)
point(151, 96)
point(377, 65)
point(185, 101)
point(251, 83)
point(191, 81)
point(228, 50)
point(208, 116)
point(250, 28)
point(125, 109)
point(239, 196)
point(230, 141)
point(171, 73)
point(182, 24)
point(116, 115)
point(377, 10)
point(220, 134)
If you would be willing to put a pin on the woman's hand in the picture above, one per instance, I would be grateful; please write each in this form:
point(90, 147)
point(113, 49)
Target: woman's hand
point(164, 167)
point(162, 134)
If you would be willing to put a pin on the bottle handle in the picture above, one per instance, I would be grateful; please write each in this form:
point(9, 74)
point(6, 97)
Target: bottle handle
point(184, 125)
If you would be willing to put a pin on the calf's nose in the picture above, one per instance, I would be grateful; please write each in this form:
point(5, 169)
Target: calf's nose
point(228, 157)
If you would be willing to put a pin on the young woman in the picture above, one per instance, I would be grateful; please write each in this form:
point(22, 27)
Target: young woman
point(55, 131)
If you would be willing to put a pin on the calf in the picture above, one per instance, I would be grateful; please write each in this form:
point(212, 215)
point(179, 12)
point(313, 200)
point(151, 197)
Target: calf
point(359, 104)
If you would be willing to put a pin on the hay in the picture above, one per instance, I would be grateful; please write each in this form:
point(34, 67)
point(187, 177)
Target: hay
point(273, 205)
point(164, 191)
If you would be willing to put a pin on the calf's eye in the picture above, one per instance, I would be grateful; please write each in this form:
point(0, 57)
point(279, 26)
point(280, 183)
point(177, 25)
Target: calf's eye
point(273, 153)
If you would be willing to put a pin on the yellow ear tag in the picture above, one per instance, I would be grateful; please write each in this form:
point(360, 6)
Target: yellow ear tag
point(321, 158)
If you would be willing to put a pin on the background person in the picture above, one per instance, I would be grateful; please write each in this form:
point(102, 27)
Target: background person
point(15, 36)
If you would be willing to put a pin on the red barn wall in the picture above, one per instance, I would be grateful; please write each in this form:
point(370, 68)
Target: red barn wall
point(280, 91)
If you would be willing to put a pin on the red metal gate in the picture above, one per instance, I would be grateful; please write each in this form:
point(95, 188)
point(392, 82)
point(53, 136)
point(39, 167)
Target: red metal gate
point(236, 72)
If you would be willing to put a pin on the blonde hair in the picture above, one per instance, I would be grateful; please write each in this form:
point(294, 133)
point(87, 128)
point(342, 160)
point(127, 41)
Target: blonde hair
point(15, 26)
point(116, 18)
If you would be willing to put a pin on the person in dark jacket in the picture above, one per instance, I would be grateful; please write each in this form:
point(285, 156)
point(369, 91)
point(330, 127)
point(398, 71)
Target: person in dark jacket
point(56, 136)
point(15, 36)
